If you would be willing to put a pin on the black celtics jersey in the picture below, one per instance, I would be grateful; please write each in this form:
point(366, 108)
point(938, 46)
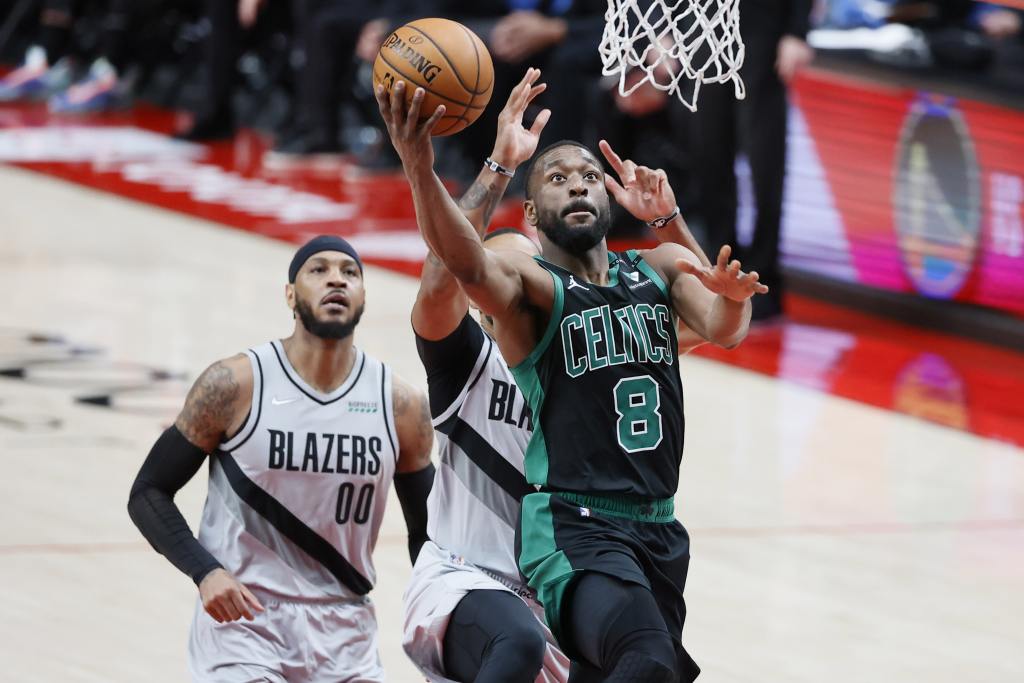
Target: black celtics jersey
point(604, 387)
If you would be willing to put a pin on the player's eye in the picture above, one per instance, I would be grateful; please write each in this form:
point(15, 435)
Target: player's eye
point(557, 177)
point(591, 175)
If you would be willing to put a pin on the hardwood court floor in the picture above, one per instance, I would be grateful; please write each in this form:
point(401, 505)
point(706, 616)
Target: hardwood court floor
point(832, 540)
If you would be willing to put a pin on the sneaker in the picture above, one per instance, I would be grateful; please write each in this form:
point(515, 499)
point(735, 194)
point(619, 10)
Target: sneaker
point(36, 79)
point(96, 92)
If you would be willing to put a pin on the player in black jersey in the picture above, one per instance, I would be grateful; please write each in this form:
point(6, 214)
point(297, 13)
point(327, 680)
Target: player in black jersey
point(590, 335)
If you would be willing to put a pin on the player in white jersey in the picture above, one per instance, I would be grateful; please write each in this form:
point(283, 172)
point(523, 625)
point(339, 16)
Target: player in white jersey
point(468, 614)
point(305, 436)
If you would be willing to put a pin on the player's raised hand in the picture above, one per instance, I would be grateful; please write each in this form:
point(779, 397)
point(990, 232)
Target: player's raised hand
point(725, 278)
point(642, 191)
point(409, 134)
point(225, 599)
point(516, 143)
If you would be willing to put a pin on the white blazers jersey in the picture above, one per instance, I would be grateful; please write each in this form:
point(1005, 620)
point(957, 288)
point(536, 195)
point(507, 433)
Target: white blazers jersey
point(474, 505)
point(296, 498)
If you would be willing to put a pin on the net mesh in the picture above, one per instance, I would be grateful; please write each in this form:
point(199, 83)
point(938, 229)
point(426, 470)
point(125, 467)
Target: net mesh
point(672, 44)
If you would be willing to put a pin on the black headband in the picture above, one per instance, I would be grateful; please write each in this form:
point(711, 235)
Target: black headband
point(316, 245)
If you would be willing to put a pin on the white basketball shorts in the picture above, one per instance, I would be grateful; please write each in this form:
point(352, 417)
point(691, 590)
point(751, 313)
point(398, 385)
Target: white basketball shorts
point(289, 642)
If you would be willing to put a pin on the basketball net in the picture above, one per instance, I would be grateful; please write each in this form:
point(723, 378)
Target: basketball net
point(672, 42)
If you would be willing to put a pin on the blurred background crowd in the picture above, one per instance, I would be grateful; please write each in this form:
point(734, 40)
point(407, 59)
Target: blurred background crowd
point(300, 72)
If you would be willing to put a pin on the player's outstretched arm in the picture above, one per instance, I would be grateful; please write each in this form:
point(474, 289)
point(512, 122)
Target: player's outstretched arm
point(216, 406)
point(494, 283)
point(440, 302)
point(713, 301)
point(415, 472)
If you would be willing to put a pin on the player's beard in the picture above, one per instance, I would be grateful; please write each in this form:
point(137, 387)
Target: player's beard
point(576, 240)
point(328, 329)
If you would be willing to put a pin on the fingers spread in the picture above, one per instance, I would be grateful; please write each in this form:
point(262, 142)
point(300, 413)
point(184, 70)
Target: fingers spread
point(723, 256)
point(432, 122)
point(398, 102)
point(412, 119)
point(382, 104)
point(689, 267)
point(534, 91)
point(540, 122)
point(617, 190)
point(613, 159)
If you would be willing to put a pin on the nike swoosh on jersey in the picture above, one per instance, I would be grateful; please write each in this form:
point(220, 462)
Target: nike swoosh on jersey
point(281, 401)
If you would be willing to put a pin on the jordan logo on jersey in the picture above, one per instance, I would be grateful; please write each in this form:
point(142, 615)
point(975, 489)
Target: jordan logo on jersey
point(599, 337)
point(573, 283)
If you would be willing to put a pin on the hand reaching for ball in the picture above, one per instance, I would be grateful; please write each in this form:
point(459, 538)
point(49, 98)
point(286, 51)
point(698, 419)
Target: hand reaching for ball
point(409, 135)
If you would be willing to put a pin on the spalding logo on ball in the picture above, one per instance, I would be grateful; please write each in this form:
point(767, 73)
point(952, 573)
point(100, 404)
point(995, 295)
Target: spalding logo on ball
point(448, 61)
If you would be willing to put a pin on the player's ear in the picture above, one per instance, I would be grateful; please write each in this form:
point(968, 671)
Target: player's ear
point(530, 211)
point(289, 297)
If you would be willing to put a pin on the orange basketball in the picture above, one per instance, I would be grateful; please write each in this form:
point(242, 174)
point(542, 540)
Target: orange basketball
point(444, 58)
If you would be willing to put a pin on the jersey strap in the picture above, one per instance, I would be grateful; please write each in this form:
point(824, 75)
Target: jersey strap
point(291, 527)
point(638, 262)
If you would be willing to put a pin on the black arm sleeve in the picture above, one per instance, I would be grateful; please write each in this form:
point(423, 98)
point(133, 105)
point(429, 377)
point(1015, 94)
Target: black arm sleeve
point(449, 361)
point(412, 489)
point(171, 462)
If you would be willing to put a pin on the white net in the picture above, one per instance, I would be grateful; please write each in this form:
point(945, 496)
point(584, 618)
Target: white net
point(674, 45)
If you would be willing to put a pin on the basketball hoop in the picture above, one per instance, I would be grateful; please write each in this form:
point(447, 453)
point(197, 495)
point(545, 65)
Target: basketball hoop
point(672, 42)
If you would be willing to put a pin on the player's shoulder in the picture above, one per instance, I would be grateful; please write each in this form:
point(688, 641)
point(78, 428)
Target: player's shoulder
point(228, 375)
point(663, 257)
point(412, 419)
point(404, 392)
point(668, 252)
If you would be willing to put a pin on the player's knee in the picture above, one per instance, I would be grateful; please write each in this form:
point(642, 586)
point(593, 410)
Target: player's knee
point(526, 646)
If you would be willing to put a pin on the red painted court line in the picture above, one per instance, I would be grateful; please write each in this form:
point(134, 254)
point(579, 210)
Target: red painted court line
point(73, 548)
point(936, 377)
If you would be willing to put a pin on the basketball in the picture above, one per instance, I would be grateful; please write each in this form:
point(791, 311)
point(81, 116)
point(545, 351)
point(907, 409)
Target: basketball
point(444, 58)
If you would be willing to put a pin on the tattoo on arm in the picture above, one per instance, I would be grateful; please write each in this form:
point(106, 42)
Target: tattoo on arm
point(425, 423)
point(209, 407)
point(481, 198)
point(412, 413)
